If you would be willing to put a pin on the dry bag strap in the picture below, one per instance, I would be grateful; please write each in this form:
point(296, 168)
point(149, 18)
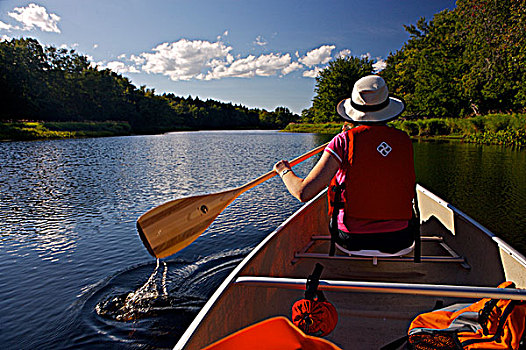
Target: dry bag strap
point(311, 288)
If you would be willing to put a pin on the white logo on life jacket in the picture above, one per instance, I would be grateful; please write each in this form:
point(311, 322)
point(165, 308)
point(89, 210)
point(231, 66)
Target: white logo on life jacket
point(384, 149)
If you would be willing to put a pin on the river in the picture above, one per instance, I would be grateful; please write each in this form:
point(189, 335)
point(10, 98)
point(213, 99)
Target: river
point(69, 251)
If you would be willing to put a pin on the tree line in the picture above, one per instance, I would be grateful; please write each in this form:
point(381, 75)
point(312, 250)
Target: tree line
point(464, 62)
point(49, 84)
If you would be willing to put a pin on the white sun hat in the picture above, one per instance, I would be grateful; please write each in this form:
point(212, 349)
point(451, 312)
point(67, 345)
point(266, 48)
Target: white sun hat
point(370, 102)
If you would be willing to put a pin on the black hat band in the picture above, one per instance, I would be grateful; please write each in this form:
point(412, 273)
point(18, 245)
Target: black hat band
point(370, 108)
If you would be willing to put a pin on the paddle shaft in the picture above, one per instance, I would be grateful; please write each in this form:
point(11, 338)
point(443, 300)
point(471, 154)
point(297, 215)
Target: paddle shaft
point(272, 173)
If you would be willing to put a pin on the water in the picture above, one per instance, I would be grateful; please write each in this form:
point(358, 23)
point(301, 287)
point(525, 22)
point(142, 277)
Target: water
point(74, 273)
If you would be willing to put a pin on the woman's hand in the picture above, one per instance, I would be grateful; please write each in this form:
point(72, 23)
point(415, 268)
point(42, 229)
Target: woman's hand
point(281, 166)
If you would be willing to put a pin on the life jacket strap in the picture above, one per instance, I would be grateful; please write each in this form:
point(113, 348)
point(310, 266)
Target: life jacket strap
point(337, 204)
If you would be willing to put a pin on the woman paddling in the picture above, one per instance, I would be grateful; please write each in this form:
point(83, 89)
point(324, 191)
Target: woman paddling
point(372, 167)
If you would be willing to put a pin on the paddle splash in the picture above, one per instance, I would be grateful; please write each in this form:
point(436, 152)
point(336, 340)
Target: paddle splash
point(151, 297)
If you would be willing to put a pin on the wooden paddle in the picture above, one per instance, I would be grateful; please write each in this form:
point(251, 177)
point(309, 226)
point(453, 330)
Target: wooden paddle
point(170, 227)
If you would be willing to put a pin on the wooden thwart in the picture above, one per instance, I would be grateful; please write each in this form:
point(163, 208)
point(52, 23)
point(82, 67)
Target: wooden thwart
point(451, 257)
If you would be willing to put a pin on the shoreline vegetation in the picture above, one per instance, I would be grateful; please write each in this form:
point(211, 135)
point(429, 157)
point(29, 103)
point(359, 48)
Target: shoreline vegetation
point(499, 129)
point(496, 129)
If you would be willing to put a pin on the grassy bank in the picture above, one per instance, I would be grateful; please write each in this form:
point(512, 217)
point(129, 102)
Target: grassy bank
point(504, 129)
point(321, 128)
point(58, 130)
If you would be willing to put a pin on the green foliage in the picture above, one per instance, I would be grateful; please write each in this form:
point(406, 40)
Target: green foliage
point(506, 129)
point(29, 131)
point(280, 118)
point(502, 137)
point(410, 127)
point(333, 84)
point(468, 61)
point(53, 130)
point(85, 129)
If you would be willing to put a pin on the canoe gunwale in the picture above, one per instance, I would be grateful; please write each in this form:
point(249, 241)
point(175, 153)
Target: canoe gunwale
point(385, 287)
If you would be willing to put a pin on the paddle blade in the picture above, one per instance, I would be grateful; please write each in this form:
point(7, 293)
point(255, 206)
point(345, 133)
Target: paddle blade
point(172, 226)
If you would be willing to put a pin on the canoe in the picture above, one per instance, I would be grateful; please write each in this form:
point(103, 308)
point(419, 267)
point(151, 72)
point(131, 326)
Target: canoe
point(376, 297)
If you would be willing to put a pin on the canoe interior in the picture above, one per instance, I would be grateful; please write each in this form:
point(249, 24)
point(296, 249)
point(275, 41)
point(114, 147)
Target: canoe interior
point(366, 320)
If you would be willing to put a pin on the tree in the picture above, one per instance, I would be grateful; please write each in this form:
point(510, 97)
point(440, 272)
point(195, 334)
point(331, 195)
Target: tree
point(23, 65)
point(471, 60)
point(280, 118)
point(427, 70)
point(493, 36)
point(335, 83)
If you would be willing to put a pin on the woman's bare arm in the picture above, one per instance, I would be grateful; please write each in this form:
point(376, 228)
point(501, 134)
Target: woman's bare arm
point(318, 178)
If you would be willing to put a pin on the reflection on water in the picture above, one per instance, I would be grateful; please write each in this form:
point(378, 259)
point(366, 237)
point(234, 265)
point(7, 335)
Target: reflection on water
point(72, 266)
point(486, 182)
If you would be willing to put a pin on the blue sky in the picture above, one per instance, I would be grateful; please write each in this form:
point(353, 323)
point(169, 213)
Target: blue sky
point(262, 54)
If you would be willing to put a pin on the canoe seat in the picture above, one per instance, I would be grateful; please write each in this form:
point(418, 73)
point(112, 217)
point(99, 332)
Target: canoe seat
point(377, 253)
point(449, 256)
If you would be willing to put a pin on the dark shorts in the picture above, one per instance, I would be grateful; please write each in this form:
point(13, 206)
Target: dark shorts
point(386, 242)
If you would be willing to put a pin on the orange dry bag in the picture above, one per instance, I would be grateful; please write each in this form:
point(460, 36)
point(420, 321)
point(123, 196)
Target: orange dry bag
point(314, 315)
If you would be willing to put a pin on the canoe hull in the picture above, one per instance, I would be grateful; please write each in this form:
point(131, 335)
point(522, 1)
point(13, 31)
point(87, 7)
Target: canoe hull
point(375, 318)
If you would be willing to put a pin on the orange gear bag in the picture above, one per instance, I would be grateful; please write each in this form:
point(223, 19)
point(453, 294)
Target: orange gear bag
point(314, 315)
point(486, 324)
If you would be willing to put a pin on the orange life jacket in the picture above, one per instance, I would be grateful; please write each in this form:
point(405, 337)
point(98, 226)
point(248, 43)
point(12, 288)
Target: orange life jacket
point(379, 174)
point(486, 324)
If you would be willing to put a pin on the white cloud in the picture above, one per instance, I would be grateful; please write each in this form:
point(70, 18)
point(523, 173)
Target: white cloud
point(4, 37)
point(260, 41)
point(344, 53)
point(36, 16)
point(138, 60)
point(116, 66)
point(204, 60)
point(184, 59)
point(313, 73)
point(5, 26)
point(264, 65)
point(224, 35)
point(320, 55)
point(291, 68)
point(379, 65)
point(121, 68)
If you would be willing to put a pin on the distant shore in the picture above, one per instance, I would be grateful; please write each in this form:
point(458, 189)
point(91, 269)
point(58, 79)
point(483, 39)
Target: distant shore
point(35, 130)
point(503, 129)
point(31, 130)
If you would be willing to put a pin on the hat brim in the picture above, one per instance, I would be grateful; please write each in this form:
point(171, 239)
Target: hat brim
point(391, 111)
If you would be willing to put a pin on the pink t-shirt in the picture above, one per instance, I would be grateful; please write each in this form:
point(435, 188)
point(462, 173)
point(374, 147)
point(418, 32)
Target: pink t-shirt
point(338, 148)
